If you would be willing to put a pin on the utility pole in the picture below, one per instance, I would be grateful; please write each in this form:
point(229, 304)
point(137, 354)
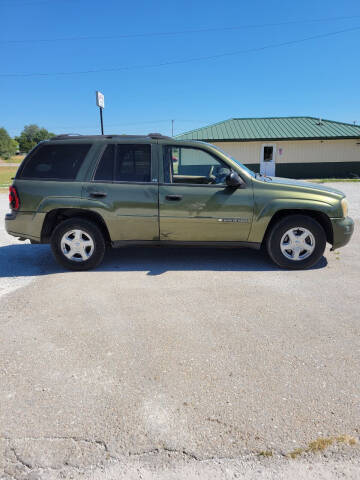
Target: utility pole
point(101, 121)
point(172, 128)
point(100, 102)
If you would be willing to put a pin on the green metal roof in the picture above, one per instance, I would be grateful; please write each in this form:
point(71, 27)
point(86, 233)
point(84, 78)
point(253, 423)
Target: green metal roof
point(276, 128)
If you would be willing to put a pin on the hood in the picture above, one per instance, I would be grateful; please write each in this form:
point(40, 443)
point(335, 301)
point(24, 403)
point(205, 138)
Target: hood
point(298, 183)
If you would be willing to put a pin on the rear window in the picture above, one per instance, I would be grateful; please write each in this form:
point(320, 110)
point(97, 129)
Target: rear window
point(57, 162)
point(133, 163)
point(105, 170)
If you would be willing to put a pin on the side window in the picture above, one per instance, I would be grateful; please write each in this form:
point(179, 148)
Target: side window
point(55, 161)
point(105, 169)
point(133, 163)
point(194, 166)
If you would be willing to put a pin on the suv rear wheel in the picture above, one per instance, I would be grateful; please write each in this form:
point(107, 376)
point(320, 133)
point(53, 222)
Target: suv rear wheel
point(78, 244)
point(296, 241)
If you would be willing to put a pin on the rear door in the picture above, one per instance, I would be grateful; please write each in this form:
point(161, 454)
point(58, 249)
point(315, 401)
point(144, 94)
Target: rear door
point(195, 203)
point(123, 189)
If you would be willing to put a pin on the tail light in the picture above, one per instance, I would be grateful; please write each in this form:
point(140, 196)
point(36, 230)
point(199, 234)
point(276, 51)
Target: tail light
point(14, 200)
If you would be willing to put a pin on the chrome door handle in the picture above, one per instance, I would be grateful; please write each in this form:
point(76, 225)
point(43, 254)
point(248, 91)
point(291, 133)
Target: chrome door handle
point(174, 197)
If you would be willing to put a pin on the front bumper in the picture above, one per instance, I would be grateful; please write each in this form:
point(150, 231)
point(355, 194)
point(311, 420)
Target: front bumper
point(343, 228)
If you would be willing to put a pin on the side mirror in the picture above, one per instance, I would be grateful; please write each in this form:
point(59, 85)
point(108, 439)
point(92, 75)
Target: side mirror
point(233, 180)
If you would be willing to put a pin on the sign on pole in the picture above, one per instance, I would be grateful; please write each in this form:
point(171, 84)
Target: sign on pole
point(100, 102)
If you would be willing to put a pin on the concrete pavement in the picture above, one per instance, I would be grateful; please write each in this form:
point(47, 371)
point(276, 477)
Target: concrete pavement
point(179, 363)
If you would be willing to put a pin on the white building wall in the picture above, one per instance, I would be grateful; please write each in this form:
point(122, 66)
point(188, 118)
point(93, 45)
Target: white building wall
point(298, 151)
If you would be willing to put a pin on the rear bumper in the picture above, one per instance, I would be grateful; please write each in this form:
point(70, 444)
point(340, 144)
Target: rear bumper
point(24, 224)
point(343, 228)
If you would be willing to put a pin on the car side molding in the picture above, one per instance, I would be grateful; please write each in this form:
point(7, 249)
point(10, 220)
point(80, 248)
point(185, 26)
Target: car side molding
point(124, 243)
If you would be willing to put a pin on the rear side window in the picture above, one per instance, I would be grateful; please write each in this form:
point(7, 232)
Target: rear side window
point(57, 162)
point(105, 169)
point(133, 163)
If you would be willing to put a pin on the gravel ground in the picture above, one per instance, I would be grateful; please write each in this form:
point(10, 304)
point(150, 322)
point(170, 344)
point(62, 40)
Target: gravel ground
point(179, 363)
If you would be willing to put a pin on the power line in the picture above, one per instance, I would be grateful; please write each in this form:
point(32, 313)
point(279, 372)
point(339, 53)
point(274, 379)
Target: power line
point(178, 62)
point(175, 33)
point(118, 125)
point(13, 3)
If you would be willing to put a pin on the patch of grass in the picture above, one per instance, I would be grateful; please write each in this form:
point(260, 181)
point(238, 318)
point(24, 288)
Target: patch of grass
point(6, 173)
point(295, 453)
point(13, 159)
point(265, 453)
point(322, 444)
point(329, 180)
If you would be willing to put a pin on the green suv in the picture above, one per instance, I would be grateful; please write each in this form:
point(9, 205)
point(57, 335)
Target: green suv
point(82, 193)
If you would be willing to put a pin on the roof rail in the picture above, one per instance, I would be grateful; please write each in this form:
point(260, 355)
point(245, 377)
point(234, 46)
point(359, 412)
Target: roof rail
point(65, 135)
point(157, 135)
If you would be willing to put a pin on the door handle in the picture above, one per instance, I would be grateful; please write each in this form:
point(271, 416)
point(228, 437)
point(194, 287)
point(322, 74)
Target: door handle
point(174, 197)
point(98, 194)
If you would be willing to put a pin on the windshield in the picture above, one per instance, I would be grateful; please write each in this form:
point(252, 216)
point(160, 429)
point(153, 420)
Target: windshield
point(241, 165)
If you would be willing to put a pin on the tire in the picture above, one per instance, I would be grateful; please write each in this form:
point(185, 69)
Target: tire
point(34, 242)
point(296, 242)
point(78, 244)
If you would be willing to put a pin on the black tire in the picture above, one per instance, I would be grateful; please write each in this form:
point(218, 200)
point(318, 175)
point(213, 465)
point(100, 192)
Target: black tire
point(92, 231)
point(34, 242)
point(280, 228)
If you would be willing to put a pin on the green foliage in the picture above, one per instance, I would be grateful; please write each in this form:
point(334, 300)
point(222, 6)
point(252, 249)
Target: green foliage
point(31, 136)
point(8, 146)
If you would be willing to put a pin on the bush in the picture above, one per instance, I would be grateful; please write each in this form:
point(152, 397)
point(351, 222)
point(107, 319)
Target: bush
point(8, 146)
point(31, 136)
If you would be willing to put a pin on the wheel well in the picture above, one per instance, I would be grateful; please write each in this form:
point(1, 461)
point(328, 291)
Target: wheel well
point(320, 217)
point(54, 217)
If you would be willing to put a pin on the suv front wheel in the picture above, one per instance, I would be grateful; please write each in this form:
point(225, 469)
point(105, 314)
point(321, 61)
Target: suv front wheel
point(78, 244)
point(296, 241)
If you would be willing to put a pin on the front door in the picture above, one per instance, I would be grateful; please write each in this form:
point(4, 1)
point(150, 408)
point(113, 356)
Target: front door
point(195, 203)
point(267, 160)
point(124, 191)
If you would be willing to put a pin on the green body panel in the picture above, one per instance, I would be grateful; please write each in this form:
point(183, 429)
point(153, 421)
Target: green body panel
point(135, 211)
point(276, 194)
point(43, 196)
point(26, 225)
point(205, 213)
point(343, 228)
point(130, 211)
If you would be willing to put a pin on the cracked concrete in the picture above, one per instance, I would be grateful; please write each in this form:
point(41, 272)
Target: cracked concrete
point(167, 464)
point(180, 363)
point(54, 453)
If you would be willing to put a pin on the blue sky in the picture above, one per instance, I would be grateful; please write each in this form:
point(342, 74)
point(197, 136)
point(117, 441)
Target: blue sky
point(319, 77)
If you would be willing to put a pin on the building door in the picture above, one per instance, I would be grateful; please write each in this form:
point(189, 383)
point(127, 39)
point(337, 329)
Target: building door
point(267, 160)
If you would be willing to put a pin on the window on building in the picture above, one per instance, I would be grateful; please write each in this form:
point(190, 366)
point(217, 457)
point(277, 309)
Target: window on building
point(268, 154)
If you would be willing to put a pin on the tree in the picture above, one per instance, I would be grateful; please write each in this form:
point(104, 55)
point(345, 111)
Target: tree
point(31, 136)
point(8, 146)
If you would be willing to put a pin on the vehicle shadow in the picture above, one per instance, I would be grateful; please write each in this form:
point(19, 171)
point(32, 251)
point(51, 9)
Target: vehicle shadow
point(22, 260)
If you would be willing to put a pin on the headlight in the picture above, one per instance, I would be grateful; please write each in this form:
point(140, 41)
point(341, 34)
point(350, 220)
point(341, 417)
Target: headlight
point(345, 207)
